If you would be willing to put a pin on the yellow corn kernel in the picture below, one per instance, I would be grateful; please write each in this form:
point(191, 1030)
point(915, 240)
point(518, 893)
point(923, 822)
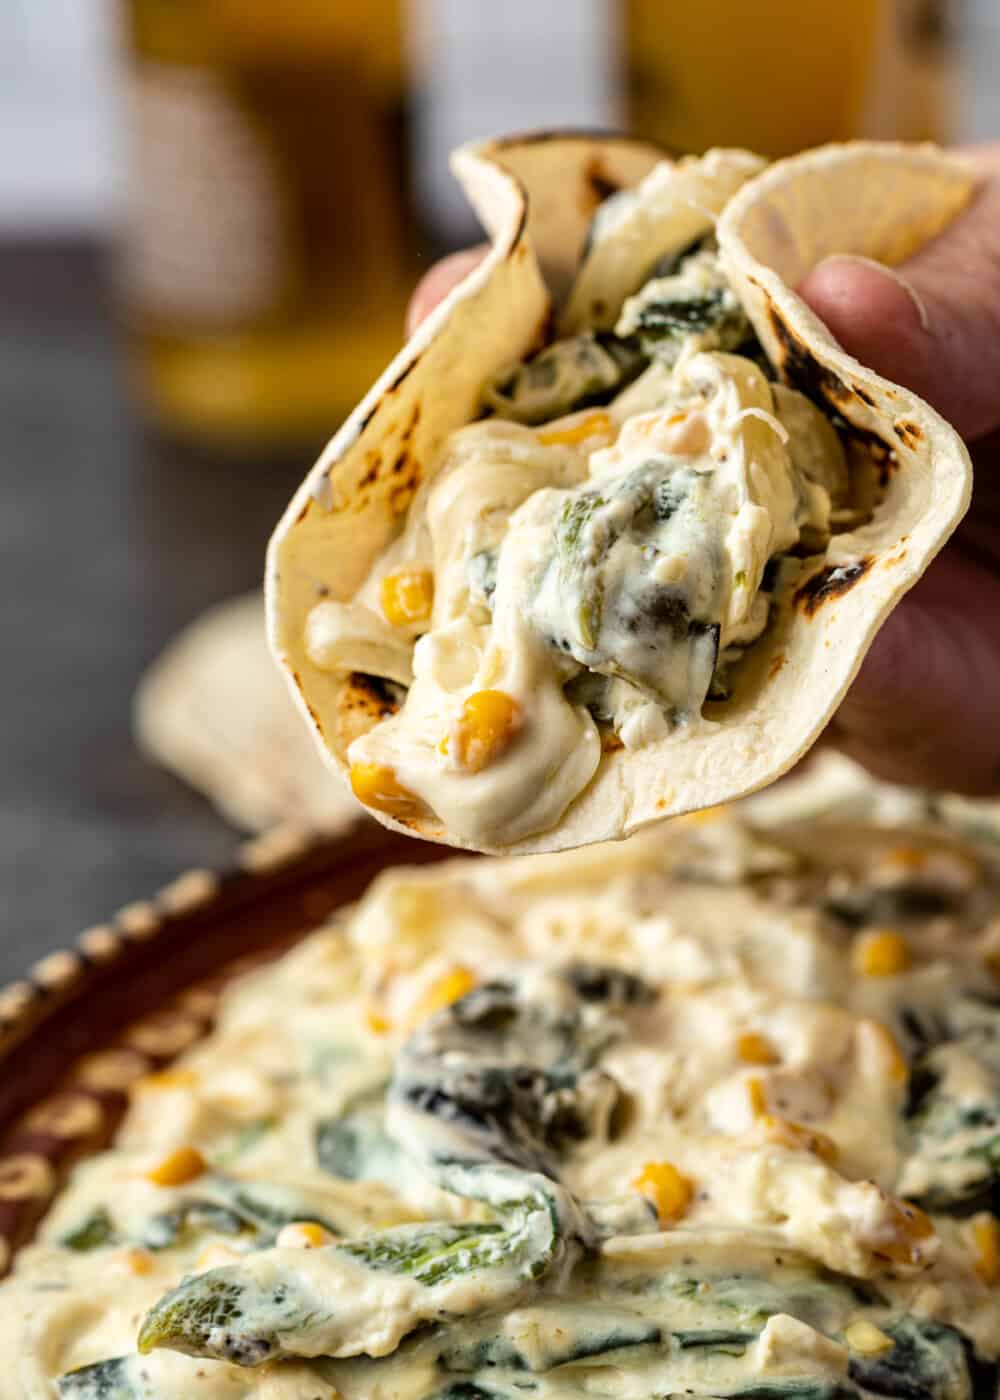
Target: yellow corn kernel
point(488, 722)
point(984, 1230)
point(669, 1191)
point(138, 1262)
point(451, 987)
point(590, 426)
point(178, 1167)
point(164, 1080)
point(757, 1095)
point(376, 1022)
point(303, 1234)
point(408, 596)
point(377, 786)
point(908, 1229)
point(755, 1049)
point(864, 1338)
point(215, 1256)
point(797, 1137)
point(880, 953)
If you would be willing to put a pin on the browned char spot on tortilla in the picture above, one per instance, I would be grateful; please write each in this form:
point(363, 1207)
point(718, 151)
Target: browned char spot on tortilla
point(909, 434)
point(305, 700)
point(829, 392)
point(401, 474)
point(610, 742)
point(776, 665)
point(406, 468)
point(600, 183)
point(362, 702)
point(832, 581)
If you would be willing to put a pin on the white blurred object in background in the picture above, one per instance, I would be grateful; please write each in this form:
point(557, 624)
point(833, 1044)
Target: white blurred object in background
point(59, 166)
point(480, 69)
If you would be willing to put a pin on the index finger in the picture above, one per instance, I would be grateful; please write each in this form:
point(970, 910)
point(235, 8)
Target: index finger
point(435, 285)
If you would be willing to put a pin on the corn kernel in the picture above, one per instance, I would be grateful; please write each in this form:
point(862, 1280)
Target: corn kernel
point(377, 786)
point(590, 426)
point(880, 953)
point(376, 1022)
point(755, 1049)
point(447, 989)
point(797, 1137)
point(669, 1191)
point(984, 1230)
point(909, 1228)
point(408, 596)
point(138, 1262)
point(303, 1234)
point(488, 722)
point(165, 1080)
point(178, 1167)
point(866, 1339)
point(757, 1095)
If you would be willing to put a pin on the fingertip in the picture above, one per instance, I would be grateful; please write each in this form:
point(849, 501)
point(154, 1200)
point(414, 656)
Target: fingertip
point(866, 307)
point(435, 284)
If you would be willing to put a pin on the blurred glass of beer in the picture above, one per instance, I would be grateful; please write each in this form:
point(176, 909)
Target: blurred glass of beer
point(780, 75)
point(267, 254)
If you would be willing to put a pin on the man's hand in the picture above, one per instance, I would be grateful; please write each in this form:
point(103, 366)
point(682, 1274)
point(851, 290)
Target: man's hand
point(925, 708)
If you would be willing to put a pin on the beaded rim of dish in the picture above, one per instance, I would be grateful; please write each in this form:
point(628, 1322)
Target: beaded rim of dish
point(80, 1113)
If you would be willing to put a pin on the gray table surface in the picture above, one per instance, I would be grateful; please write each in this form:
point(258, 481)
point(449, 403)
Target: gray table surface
point(109, 542)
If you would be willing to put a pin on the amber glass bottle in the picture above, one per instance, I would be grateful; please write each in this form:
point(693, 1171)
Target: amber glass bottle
point(267, 255)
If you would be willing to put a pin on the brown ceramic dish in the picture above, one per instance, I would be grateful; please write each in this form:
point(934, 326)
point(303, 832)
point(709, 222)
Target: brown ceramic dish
point(133, 993)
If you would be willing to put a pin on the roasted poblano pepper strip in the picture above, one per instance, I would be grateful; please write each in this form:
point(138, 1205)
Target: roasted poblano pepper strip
point(690, 307)
point(601, 600)
point(586, 369)
point(929, 1361)
point(105, 1380)
point(94, 1232)
point(227, 1206)
point(509, 1073)
point(958, 1138)
point(279, 1303)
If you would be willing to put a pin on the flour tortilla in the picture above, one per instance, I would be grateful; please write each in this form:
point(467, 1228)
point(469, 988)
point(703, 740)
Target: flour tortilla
point(214, 710)
point(536, 197)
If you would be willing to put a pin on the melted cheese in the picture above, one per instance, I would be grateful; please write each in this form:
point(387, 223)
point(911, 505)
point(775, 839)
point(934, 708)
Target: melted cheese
point(745, 1052)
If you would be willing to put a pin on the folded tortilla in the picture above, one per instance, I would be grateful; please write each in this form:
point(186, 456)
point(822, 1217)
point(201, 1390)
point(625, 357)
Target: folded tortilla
point(555, 268)
point(213, 709)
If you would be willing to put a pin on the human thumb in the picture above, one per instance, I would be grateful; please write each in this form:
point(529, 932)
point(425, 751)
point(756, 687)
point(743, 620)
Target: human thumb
point(933, 325)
